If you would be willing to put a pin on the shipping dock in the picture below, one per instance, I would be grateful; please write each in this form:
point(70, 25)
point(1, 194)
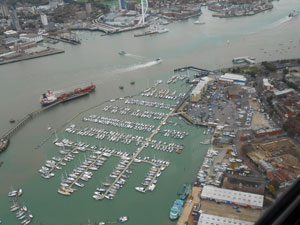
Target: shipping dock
point(146, 33)
point(66, 39)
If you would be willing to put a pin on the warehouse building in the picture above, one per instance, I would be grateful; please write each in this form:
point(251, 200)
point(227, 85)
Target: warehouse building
point(200, 89)
point(232, 197)
point(230, 78)
point(207, 219)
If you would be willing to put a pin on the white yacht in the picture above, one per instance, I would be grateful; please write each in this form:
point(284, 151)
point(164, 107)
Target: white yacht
point(123, 219)
point(140, 189)
point(199, 22)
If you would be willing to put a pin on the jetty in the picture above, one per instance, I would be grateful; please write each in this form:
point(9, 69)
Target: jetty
point(62, 159)
point(23, 121)
point(244, 59)
point(83, 172)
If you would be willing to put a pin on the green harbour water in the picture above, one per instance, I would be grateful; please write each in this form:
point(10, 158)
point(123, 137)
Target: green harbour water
point(97, 60)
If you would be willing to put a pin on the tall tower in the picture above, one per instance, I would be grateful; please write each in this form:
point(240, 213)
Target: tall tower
point(15, 20)
point(144, 6)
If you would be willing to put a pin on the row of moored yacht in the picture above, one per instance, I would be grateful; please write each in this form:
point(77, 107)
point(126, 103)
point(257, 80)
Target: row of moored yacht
point(119, 123)
point(22, 212)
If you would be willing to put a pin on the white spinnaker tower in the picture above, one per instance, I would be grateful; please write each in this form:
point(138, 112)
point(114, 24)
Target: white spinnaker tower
point(144, 4)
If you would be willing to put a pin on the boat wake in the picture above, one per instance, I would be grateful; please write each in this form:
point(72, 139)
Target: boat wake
point(281, 21)
point(135, 56)
point(273, 25)
point(137, 67)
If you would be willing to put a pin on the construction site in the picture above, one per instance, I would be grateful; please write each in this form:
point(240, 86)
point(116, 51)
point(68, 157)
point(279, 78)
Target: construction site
point(277, 159)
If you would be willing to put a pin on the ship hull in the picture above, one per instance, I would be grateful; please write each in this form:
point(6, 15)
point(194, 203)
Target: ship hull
point(73, 96)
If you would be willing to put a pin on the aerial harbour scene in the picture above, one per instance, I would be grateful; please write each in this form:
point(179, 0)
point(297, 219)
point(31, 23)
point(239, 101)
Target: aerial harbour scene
point(147, 112)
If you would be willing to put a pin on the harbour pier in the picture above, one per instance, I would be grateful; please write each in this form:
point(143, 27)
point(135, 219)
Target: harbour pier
point(91, 165)
point(23, 121)
point(62, 159)
point(157, 174)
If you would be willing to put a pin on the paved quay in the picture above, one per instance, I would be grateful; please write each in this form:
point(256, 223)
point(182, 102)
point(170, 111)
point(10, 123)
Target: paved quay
point(186, 215)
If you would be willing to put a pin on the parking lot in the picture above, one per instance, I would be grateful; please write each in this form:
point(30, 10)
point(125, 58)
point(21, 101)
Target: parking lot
point(216, 107)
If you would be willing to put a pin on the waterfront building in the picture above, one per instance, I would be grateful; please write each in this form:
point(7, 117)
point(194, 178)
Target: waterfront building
point(233, 78)
point(31, 37)
point(10, 41)
point(44, 19)
point(23, 46)
point(220, 220)
point(232, 197)
point(131, 5)
point(200, 89)
point(10, 33)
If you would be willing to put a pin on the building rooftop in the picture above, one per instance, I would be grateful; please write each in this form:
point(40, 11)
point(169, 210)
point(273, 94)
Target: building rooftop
point(231, 76)
point(201, 85)
point(283, 92)
point(238, 197)
point(208, 219)
point(10, 32)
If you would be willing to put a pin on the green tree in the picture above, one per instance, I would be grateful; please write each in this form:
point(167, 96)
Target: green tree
point(285, 71)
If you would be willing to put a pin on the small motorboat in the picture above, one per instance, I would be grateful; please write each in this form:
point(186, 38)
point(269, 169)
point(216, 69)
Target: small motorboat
point(123, 219)
point(123, 53)
point(199, 22)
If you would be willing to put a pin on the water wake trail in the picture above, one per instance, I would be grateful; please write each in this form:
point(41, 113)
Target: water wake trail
point(135, 56)
point(281, 21)
point(136, 67)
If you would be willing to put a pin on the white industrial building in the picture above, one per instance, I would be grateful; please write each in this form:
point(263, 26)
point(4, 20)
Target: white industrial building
point(233, 78)
point(283, 92)
point(44, 19)
point(31, 37)
point(267, 85)
point(207, 219)
point(232, 197)
point(200, 88)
